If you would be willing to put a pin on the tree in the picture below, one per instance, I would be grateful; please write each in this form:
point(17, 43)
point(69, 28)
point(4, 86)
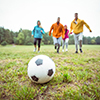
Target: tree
point(12, 36)
point(8, 37)
point(20, 30)
point(88, 39)
point(27, 40)
point(4, 43)
point(26, 33)
point(93, 41)
point(85, 40)
point(98, 40)
point(31, 39)
point(2, 34)
point(24, 37)
point(47, 39)
point(16, 34)
point(15, 40)
point(20, 38)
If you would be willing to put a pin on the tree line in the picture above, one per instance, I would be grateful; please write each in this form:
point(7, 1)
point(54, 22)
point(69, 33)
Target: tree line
point(24, 37)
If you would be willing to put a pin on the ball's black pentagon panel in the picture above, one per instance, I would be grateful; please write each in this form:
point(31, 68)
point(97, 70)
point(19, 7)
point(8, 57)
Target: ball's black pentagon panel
point(50, 72)
point(39, 62)
point(34, 78)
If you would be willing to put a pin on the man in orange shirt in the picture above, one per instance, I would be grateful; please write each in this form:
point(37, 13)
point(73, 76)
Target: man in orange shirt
point(58, 31)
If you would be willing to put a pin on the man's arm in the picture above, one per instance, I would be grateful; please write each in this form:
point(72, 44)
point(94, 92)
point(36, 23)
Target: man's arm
point(50, 30)
point(87, 25)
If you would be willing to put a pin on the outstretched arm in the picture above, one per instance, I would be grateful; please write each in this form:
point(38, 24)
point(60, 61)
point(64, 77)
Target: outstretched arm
point(87, 25)
point(50, 30)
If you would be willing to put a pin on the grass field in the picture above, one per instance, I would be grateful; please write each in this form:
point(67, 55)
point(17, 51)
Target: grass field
point(77, 76)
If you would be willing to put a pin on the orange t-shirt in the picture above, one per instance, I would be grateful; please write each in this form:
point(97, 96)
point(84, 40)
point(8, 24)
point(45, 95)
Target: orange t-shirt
point(58, 30)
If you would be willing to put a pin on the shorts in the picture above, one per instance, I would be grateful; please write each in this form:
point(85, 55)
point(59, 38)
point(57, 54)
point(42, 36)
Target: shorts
point(57, 40)
point(78, 36)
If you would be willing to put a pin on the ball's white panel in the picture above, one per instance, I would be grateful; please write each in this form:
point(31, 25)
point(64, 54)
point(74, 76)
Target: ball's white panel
point(41, 71)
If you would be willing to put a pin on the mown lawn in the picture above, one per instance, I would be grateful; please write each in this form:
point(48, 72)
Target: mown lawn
point(77, 76)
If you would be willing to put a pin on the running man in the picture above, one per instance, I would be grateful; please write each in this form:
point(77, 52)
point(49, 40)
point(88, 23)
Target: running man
point(77, 27)
point(58, 31)
point(37, 32)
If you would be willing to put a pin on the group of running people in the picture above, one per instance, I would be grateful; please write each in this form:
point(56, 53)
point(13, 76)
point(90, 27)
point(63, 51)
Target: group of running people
point(61, 32)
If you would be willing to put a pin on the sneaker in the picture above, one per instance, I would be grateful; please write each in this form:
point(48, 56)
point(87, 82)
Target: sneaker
point(38, 51)
point(63, 50)
point(55, 47)
point(66, 49)
point(76, 52)
point(81, 50)
point(34, 50)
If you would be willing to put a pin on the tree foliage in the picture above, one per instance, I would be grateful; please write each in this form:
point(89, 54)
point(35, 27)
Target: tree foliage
point(24, 37)
point(93, 41)
point(98, 40)
point(20, 38)
point(4, 43)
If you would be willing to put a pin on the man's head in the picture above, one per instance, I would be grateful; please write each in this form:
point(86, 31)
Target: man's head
point(58, 20)
point(38, 23)
point(76, 16)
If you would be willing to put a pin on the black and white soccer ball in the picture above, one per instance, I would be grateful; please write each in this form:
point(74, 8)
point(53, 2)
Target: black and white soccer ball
point(41, 69)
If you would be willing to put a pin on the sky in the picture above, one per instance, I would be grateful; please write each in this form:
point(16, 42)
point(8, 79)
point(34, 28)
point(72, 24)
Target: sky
point(16, 14)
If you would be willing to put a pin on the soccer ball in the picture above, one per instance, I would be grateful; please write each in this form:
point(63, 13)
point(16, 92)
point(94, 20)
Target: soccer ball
point(41, 69)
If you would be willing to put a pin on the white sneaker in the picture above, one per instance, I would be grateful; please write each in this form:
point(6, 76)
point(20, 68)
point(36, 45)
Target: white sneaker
point(66, 49)
point(63, 50)
point(38, 51)
point(34, 50)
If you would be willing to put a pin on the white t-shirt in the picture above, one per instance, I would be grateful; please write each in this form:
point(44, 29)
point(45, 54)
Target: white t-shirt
point(75, 21)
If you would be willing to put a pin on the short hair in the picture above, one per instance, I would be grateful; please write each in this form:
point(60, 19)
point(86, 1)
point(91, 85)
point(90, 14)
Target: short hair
point(76, 13)
point(58, 17)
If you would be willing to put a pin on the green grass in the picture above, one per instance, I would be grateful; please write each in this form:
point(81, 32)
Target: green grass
point(77, 76)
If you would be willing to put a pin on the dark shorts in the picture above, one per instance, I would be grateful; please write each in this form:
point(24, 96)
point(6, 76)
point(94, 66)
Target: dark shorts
point(39, 41)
